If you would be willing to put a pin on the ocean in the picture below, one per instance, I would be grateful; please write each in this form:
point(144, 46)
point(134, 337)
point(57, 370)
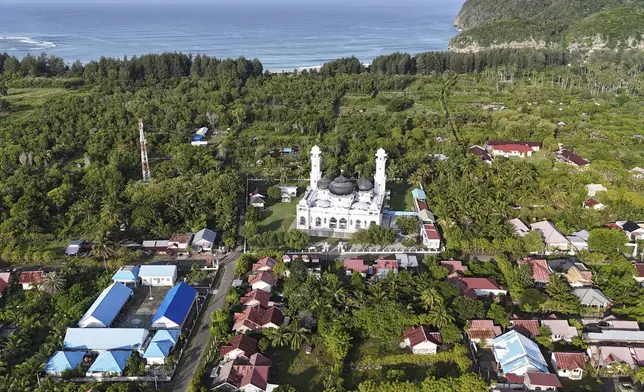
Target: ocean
point(283, 34)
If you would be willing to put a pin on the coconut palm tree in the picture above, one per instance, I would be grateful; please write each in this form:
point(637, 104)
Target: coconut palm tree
point(297, 336)
point(103, 246)
point(277, 336)
point(439, 317)
point(53, 282)
point(430, 298)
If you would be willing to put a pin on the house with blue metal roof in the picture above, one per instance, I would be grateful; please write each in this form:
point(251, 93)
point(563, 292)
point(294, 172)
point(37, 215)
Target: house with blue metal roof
point(160, 346)
point(63, 360)
point(106, 307)
point(174, 309)
point(517, 354)
point(109, 363)
point(128, 275)
point(84, 339)
point(418, 194)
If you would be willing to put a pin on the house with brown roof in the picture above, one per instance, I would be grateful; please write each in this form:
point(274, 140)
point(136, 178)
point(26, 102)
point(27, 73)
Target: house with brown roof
point(529, 328)
point(611, 357)
point(569, 364)
point(384, 266)
point(639, 272)
point(179, 242)
point(257, 318)
point(422, 340)
point(239, 346)
point(535, 146)
point(265, 264)
point(571, 158)
point(537, 381)
point(482, 330)
point(478, 287)
point(431, 239)
point(356, 265)
point(481, 153)
point(511, 149)
point(541, 272)
point(264, 281)
point(592, 204)
point(254, 298)
point(247, 375)
point(30, 279)
point(5, 277)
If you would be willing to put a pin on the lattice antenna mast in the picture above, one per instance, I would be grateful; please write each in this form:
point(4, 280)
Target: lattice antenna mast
point(145, 166)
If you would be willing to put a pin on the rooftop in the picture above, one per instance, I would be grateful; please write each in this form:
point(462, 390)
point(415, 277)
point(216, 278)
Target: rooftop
point(570, 361)
point(110, 362)
point(64, 360)
point(421, 334)
point(242, 342)
point(560, 328)
point(158, 271)
point(526, 327)
point(543, 379)
point(108, 304)
point(539, 267)
point(30, 277)
point(110, 339)
point(549, 233)
point(177, 304)
point(127, 273)
point(513, 351)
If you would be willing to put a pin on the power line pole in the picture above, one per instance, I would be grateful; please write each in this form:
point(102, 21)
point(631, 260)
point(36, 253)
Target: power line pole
point(145, 166)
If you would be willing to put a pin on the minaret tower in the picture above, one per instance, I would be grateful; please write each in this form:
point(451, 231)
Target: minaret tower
point(316, 167)
point(380, 179)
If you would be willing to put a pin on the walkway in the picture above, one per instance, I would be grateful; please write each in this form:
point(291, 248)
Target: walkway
point(195, 349)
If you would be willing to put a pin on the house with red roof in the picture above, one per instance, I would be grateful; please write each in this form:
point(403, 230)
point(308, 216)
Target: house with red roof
point(30, 279)
point(254, 298)
point(535, 146)
point(569, 364)
point(239, 346)
point(247, 375)
point(257, 318)
point(529, 328)
point(5, 277)
point(356, 265)
point(384, 266)
point(482, 330)
point(264, 281)
point(592, 204)
point(511, 150)
point(265, 264)
point(430, 237)
point(421, 340)
point(537, 381)
point(478, 287)
point(541, 272)
point(455, 267)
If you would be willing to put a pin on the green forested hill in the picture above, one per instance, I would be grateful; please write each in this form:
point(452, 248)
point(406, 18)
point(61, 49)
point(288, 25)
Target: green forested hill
point(574, 24)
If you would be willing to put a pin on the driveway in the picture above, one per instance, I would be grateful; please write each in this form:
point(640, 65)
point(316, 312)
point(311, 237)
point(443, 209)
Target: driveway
point(195, 349)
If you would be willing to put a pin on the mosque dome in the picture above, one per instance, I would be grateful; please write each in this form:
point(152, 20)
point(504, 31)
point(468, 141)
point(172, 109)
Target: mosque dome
point(341, 186)
point(323, 183)
point(364, 184)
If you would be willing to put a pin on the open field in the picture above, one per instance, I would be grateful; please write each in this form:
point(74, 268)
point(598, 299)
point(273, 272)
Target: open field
point(401, 199)
point(142, 307)
point(277, 216)
point(305, 372)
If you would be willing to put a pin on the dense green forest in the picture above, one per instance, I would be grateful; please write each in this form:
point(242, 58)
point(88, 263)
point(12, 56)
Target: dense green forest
point(573, 25)
point(70, 162)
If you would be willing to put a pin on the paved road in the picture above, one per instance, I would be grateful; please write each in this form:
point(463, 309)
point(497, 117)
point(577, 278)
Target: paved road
point(191, 357)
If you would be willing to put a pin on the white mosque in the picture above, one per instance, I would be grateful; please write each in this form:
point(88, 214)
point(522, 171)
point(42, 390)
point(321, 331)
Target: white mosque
point(342, 206)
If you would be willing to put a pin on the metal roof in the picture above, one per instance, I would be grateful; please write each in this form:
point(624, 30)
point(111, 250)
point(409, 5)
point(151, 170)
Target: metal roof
point(127, 274)
point(204, 235)
point(615, 336)
point(105, 338)
point(513, 351)
point(63, 360)
point(418, 194)
point(157, 271)
point(161, 344)
point(110, 362)
point(108, 305)
point(176, 304)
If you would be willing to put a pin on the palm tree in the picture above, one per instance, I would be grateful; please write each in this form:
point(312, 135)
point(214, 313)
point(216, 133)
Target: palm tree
point(278, 337)
point(103, 246)
point(439, 317)
point(297, 336)
point(431, 298)
point(53, 282)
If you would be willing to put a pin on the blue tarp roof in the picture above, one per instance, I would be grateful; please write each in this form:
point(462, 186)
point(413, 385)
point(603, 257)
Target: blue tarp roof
point(418, 194)
point(129, 274)
point(158, 271)
point(513, 351)
point(110, 362)
point(108, 305)
point(176, 304)
point(105, 338)
point(63, 360)
point(287, 149)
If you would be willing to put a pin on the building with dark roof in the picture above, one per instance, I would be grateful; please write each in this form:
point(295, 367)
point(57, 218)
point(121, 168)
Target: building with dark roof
point(239, 346)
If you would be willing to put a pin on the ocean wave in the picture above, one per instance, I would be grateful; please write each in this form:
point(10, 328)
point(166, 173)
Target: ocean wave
point(34, 44)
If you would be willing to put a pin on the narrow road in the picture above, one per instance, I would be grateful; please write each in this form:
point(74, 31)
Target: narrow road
point(192, 356)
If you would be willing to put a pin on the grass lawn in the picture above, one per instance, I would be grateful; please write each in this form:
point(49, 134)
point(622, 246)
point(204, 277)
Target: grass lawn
point(585, 384)
point(304, 372)
point(25, 99)
point(277, 216)
point(401, 199)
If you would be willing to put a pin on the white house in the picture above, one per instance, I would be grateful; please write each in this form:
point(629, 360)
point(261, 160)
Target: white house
point(421, 340)
point(203, 240)
point(343, 206)
point(569, 365)
point(479, 287)
point(288, 192)
point(430, 236)
point(158, 275)
point(516, 354)
point(560, 329)
point(106, 307)
point(175, 307)
point(160, 346)
point(263, 281)
point(555, 241)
